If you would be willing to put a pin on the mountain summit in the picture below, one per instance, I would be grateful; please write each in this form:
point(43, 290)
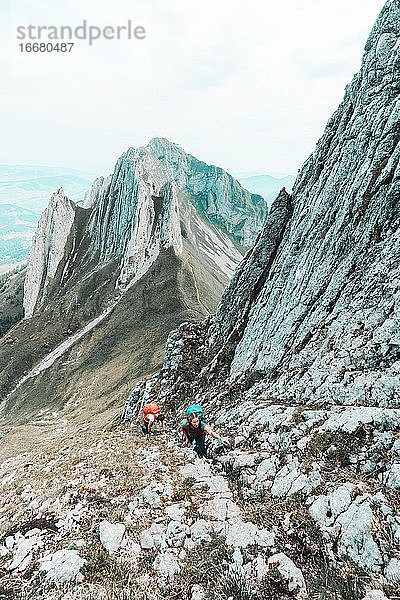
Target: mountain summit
point(150, 202)
point(162, 221)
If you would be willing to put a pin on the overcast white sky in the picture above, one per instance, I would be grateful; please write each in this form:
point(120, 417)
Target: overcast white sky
point(244, 84)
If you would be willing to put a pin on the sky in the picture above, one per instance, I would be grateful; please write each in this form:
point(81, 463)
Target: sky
point(246, 85)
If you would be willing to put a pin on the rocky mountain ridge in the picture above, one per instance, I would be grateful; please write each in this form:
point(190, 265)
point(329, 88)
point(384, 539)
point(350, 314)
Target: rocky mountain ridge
point(144, 206)
point(85, 263)
point(301, 362)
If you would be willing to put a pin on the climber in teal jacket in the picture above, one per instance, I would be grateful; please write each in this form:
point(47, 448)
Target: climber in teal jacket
point(194, 429)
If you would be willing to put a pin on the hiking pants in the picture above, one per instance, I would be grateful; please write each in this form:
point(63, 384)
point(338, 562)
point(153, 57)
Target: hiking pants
point(200, 448)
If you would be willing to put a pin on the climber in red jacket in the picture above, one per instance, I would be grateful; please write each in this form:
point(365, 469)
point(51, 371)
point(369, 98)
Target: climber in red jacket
point(151, 413)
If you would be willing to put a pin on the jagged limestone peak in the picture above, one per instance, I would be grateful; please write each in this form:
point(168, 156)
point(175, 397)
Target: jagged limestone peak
point(47, 248)
point(216, 193)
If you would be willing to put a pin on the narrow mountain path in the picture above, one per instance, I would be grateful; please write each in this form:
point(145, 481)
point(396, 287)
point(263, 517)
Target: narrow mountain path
point(199, 300)
point(49, 360)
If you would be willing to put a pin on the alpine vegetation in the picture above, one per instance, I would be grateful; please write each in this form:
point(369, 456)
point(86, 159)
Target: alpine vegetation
point(258, 454)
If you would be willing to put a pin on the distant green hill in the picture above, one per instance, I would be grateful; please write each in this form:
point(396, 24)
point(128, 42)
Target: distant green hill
point(267, 186)
point(17, 226)
point(31, 186)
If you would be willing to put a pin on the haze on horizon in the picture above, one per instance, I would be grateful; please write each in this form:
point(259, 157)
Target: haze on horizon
point(246, 86)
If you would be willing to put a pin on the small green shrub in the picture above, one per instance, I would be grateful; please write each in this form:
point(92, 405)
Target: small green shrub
point(100, 567)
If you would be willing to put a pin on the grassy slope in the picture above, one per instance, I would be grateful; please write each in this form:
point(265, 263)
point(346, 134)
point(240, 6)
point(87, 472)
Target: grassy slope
point(11, 298)
point(98, 371)
point(32, 339)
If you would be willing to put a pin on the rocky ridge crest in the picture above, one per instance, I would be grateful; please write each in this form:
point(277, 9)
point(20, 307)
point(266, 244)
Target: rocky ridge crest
point(302, 359)
point(150, 203)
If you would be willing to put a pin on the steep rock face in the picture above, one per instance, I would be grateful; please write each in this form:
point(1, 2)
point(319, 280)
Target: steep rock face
point(309, 324)
point(144, 207)
point(99, 188)
point(222, 198)
point(47, 248)
point(249, 278)
point(313, 312)
point(137, 216)
point(326, 322)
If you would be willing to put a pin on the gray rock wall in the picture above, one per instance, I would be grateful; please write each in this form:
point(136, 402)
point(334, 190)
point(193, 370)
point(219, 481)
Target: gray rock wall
point(215, 192)
point(47, 250)
point(326, 322)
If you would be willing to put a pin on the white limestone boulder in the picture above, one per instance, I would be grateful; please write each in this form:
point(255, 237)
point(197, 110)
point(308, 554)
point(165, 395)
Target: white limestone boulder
point(291, 574)
point(392, 571)
point(63, 566)
point(241, 534)
point(175, 512)
point(166, 565)
point(375, 595)
point(111, 535)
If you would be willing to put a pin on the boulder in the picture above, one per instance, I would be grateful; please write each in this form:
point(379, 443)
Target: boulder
point(265, 538)
point(267, 468)
point(175, 512)
point(146, 540)
point(176, 533)
point(243, 459)
point(23, 554)
point(350, 525)
point(260, 567)
point(157, 531)
point(290, 480)
point(289, 573)
point(375, 595)
point(217, 484)
point(63, 566)
point(392, 570)
point(151, 497)
point(199, 531)
point(241, 534)
point(197, 592)
point(237, 560)
point(166, 565)
point(111, 535)
point(199, 470)
point(393, 476)
point(221, 509)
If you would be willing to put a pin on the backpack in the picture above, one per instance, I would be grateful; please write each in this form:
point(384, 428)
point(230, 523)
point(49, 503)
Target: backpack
point(195, 408)
point(152, 409)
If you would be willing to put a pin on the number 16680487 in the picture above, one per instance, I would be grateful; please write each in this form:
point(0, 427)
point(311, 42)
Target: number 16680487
point(46, 47)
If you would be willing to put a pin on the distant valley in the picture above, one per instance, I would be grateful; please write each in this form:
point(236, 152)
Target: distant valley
point(267, 186)
point(24, 193)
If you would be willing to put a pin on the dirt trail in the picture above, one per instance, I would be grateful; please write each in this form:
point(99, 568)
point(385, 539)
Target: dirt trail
point(199, 300)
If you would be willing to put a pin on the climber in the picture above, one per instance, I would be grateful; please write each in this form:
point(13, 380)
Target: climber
point(152, 413)
point(194, 429)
